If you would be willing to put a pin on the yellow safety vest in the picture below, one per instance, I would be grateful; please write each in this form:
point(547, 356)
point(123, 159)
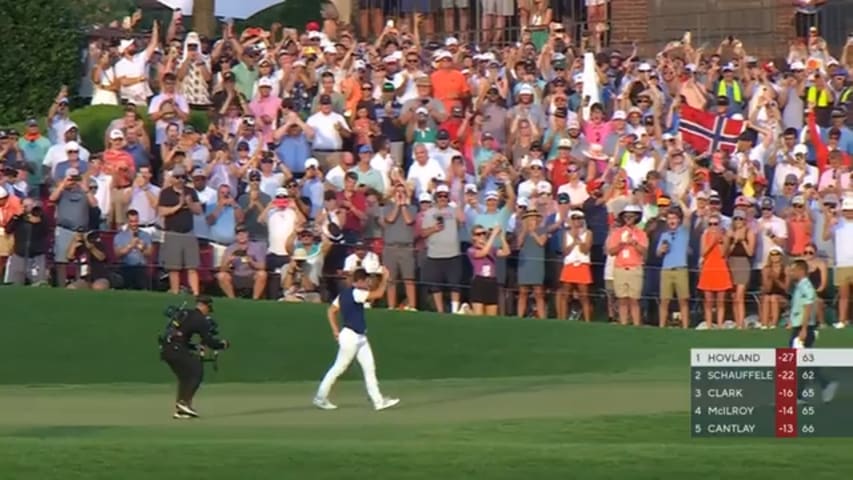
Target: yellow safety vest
point(821, 100)
point(845, 95)
point(626, 157)
point(722, 91)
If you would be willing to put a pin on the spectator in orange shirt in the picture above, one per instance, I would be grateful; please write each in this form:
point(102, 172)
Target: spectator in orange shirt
point(119, 164)
point(627, 244)
point(448, 83)
point(10, 206)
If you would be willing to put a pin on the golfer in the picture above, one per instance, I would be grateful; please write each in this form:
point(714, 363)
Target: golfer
point(352, 340)
point(804, 323)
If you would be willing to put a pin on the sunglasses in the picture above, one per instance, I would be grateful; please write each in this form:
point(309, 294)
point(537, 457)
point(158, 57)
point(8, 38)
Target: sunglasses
point(766, 209)
point(790, 184)
point(799, 206)
point(72, 151)
point(442, 195)
point(775, 254)
point(479, 234)
point(181, 178)
point(714, 224)
point(809, 252)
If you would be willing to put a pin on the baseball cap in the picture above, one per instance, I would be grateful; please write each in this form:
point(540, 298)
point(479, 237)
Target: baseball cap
point(312, 162)
point(442, 189)
point(240, 228)
point(325, 100)
point(72, 146)
point(470, 188)
point(847, 203)
point(644, 67)
point(564, 198)
point(32, 122)
point(767, 202)
point(739, 214)
point(564, 143)
point(830, 199)
point(798, 200)
point(536, 162)
point(573, 125)
point(543, 187)
point(4, 193)
point(526, 90)
point(801, 149)
point(792, 178)
point(619, 115)
point(424, 197)
point(442, 135)
point(281, 192)
point(178, 171)
point(228, 77)
point(254, 176)
point(265, 82)
point(189, 129)
point(198, 172)
point(366, 148)
point(492, 195)
point(116, 134)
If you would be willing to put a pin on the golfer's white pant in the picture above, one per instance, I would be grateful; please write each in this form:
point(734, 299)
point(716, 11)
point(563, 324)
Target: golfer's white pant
point(351, 344)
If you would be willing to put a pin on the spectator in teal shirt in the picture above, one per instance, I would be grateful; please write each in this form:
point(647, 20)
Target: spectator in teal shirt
point(223, 215)
point(34, 146)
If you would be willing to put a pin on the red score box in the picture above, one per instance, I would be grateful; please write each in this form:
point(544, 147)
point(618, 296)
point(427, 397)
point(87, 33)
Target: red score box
point(786, 392)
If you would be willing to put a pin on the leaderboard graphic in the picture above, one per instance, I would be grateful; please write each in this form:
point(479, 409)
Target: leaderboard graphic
point(767, 392)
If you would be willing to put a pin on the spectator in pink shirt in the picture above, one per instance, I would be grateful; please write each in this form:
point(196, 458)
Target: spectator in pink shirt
point(265, 108)
point(597, 128)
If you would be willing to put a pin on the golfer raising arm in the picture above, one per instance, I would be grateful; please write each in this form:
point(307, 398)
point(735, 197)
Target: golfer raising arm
point(352, 340)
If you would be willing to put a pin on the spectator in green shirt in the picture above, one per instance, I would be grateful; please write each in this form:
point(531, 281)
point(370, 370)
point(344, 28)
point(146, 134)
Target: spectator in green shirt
point(368, 177)
point(34, 146)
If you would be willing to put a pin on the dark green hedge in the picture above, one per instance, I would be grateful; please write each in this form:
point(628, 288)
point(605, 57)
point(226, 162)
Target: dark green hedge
point(41, 42)
point(93, 122)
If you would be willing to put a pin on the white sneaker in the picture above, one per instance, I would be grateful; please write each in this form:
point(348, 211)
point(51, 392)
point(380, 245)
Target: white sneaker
point(840, 325)
point(386, 403)
point(324, 404)
point(181, 416)
point(186, 409)
point(829, 391)
point(464, 309)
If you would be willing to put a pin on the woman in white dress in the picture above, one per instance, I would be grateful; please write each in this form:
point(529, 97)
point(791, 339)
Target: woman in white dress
point(105, 81)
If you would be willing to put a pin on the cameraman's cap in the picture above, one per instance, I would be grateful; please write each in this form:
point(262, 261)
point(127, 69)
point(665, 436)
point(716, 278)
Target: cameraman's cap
point(312, 162)
point(198, 173)
point(205, 299)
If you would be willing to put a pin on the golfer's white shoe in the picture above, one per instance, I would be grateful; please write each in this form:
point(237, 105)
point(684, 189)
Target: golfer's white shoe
point(386, 403)
point(324, 404)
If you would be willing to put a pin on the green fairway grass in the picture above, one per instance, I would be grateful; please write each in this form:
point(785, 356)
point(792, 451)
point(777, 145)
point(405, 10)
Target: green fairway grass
point(83, 396)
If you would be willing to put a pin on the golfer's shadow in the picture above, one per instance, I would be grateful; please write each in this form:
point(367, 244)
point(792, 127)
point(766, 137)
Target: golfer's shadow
point(417, 403)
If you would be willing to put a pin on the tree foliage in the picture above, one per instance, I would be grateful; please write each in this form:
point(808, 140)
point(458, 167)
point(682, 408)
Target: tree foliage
point(102, 12)
point(42, 41)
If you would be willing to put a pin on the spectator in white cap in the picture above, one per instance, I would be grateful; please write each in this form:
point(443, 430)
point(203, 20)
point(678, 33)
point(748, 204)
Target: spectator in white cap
point(535, 175)
point(575, 188)
point(131, 70)
point(527, 109)
point(72, 161)
point(73, 201)
point(267, 76)
point(423, 170)
point(441, 151)
point(168, 107)
point(443, 269)
point(58, 116)
point(265, 108)
point(312, 186)
point(56, 153)
point(791, 96)
point(194, 72)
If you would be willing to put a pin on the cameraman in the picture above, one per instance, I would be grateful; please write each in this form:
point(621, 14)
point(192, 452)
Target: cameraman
point(301, 277)
point(88, 252)
point(30, 233)
point(185, 358)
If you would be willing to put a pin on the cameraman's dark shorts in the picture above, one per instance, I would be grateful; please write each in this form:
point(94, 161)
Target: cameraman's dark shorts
point(179, 251)
point(443, 273)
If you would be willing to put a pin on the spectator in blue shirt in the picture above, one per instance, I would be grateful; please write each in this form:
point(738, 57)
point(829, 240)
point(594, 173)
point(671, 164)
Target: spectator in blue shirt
point(133, 248)
point(293, 147)
point(223, 216)
point(312, 186)
point(672, 247)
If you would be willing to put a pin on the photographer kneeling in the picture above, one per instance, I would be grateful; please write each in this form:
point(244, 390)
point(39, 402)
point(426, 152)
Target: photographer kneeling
point(301, 277)
point(184, 357)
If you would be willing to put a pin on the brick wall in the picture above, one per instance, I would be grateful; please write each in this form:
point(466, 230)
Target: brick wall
point(629, 21)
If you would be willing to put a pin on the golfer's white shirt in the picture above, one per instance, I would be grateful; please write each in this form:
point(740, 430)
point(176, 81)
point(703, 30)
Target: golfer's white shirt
point(370, 263)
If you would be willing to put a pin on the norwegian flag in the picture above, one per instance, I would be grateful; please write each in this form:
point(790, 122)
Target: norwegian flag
point(706, 132)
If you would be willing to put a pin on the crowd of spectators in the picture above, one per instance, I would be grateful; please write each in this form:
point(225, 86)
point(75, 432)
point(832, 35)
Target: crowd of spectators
point(485, 177)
